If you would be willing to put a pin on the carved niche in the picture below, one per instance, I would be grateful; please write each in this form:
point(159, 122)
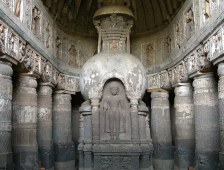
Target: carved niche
point(167, 46)
point(35, 27)
point(148, 54)
point(114, 112)
point(58, 47)
point(74, 60)
point(190, 24)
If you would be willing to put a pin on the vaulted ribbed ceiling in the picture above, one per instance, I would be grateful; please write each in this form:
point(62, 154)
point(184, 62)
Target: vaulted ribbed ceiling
point(77, 15)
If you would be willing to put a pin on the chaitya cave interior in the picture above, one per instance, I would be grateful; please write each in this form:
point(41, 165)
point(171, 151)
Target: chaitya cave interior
point(112, 84)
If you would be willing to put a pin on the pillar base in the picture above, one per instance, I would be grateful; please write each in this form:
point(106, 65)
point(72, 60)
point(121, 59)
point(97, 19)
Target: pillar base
point(221, 160)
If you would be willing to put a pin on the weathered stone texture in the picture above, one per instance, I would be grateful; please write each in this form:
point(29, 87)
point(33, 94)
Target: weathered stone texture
point(206, 122)
point(44, 126)
point(5, 115)
point(25, 150)
point(184, 123)
point(62, 135)
point(221, 112)
point(161, 131)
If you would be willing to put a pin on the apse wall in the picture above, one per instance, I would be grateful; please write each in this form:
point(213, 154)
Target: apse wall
point(190, 27)
point(33, 25)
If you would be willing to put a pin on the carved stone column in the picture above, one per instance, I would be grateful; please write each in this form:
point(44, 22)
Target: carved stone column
point(44, 125)
point(221, 112)
point(5, 115)
point(184, 123)
point(25, 151)
point(161, 131)
point(95, 119)
point(62, 135)
point(206, 122)
point(134, 120)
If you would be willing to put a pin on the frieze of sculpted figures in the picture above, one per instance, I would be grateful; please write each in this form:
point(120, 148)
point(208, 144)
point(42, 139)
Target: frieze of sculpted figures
point(159, 80)
point(213, 46)
point(165, 80)
point(178, 73)
point(67, 83)
point(194, 63)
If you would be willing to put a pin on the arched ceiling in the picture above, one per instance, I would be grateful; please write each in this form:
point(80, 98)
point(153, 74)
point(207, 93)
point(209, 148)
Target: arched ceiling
point(77, 15)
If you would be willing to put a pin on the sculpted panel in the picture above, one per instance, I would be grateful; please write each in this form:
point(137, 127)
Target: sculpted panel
point(114, 111)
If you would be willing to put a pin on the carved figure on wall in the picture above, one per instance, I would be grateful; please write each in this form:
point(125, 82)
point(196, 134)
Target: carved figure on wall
point(48, 35)
point(11, 42)
point(2, 38)
point(29, 60)
point(149, 55)
point(17, 9)
point(189, 23)
point(22, 47)
point(58, 48)
point(35, 21)
point(216, 40)
point(177, 30)
point(113, 106)
point(167, 44)
point(73, 57)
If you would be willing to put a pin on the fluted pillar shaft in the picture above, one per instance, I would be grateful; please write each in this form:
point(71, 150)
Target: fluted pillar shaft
point(44, 126)
point(221, 112)
point(161, 131)
point(184, 123)
point(62, 135)
point(5, 115)
point(25, 151)
point(206, 122)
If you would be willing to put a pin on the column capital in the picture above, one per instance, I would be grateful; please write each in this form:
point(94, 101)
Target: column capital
point(6, 68)
point(204, 80)
point(160, 94)
point(25, 80)
point(220, 70)
point(184, 89)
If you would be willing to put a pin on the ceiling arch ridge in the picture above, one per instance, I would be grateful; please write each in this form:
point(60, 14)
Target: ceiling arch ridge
point(150, 15)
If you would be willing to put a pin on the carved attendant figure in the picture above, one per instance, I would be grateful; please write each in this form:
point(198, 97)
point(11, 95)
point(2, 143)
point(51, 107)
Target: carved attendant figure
point(113, 107)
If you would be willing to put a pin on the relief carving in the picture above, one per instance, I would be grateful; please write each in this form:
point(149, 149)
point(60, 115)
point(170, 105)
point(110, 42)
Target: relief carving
point(206, 9)
point(48, 35)
point(35, 27)
point(203, 63)
point(167, 46)
point(22, 47)
point(37, 63)
point(29, 59)
point(74, 60)
point(58, 49)
point(216, 43)
point(190, 27)
point(113, 106)
point(149, 55)
point(2, 38)
point(11, 43)
point(177, 37)
point(17, 8)
point(214, 5)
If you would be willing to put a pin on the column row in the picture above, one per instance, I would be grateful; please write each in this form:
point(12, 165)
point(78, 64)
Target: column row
point(197, 131)
point(40, 137)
